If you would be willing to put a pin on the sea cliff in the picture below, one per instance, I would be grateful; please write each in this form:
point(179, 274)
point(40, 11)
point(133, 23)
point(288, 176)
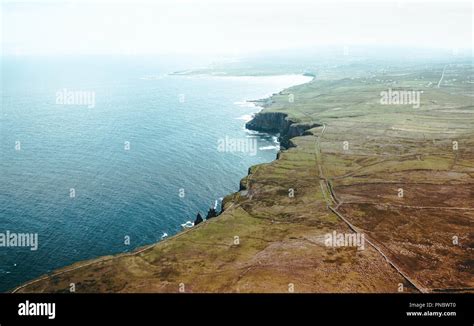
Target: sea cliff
point(281, 123)
point(270, 235)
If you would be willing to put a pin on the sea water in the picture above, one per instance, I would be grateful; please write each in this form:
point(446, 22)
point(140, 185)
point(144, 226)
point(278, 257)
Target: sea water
point(104, 176)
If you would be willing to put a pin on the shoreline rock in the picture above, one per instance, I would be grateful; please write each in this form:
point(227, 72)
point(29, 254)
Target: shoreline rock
point(278, 122)
point(198, 219)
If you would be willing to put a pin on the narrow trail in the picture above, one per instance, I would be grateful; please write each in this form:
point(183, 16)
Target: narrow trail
point(442, 76)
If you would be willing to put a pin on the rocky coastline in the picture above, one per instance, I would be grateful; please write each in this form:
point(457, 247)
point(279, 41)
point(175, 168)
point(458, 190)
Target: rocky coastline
point(271, 122)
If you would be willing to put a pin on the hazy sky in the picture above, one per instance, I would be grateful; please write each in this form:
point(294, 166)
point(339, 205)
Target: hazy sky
point(227, 27)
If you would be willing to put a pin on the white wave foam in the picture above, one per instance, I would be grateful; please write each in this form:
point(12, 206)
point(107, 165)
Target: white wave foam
point(187, 225)
point(269, 148)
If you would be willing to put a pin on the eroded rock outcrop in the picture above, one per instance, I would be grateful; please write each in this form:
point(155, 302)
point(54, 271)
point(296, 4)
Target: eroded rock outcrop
point(277, 122)
point(272, 122)
point(198, 219)
point(211, 213)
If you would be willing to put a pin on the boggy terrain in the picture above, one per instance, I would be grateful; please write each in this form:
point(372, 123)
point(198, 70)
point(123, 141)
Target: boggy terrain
point(400, 174)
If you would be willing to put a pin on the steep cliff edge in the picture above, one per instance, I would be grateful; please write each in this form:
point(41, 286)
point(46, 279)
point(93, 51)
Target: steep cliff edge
point(278, 122)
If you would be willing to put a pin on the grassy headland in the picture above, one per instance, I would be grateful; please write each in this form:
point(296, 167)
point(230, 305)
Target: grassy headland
point(348, 157)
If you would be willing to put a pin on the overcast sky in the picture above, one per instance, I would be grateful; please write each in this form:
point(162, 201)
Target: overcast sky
point(227, 27)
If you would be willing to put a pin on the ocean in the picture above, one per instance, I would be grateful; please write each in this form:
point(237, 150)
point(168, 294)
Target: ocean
point(102, 155)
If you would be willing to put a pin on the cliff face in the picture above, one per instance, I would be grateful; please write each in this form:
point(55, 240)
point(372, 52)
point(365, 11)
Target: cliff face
point(272, 122)
point(277, 122)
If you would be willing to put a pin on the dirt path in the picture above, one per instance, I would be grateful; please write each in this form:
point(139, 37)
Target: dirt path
point(442, 76)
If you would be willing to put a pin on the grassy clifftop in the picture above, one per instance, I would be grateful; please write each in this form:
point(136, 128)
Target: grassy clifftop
point(343, 173)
